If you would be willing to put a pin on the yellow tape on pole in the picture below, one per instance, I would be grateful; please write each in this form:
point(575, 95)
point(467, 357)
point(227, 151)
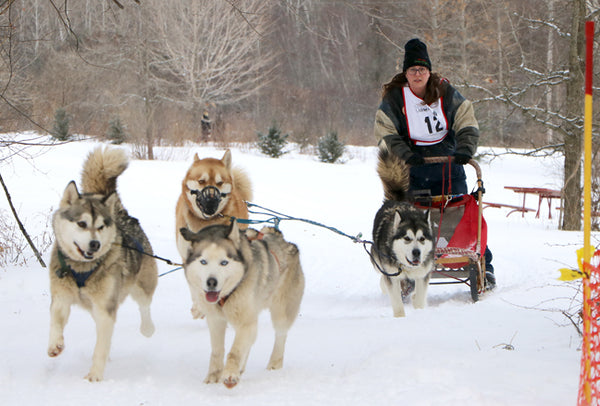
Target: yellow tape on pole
point(587, 211)
point(587, 147)
point(587, 177)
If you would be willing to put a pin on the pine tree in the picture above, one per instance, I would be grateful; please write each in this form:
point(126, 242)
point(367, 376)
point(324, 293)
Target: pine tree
point(60, 130)
point(330, 149)
point(273, 142)
point(116, 131)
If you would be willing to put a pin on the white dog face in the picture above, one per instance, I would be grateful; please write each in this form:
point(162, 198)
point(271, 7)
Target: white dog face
point(83, 226)
point(413, 241)
point(214, 269)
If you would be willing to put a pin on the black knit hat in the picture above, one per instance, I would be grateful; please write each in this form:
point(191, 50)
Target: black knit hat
point(415, 53)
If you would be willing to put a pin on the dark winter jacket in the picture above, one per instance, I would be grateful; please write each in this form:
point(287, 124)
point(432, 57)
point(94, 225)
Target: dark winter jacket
point(462, 138)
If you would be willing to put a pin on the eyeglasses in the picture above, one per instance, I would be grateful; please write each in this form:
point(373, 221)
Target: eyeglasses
point(414, 71)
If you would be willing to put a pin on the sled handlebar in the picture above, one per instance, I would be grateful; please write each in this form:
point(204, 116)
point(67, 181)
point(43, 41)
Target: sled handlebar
point(444, 159)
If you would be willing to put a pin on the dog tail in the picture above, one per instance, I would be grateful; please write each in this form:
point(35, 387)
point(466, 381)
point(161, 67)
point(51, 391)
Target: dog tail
point(394, 174)
point(101, 169)
point(242, 184)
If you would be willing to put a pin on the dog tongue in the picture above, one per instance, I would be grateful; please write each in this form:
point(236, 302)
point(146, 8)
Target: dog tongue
point(212, 296)
point(413, 263)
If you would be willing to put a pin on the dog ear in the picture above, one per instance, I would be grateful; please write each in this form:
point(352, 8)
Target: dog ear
point(428, 216)
point(227, 159)
point(187, 234)
point(397, 220)
point(111, 202)
point(70, 195)
point(234, 233)
point(196, 157)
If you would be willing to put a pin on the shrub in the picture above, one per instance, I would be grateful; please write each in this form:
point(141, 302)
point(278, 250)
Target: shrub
point(60, 130)
point(305, 144)
point(273, 142)
point(116, 131)
point(330, 149)
point(14, 248)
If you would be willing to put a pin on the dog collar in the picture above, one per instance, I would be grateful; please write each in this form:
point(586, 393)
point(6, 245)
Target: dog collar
point(222, 300)
point(80, 277)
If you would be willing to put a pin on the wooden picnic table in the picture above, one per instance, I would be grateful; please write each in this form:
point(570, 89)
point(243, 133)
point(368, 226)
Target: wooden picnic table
point(514, 209)
point(542, 193)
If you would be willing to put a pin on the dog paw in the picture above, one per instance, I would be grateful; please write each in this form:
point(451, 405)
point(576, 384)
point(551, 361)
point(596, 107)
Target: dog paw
point(147, 328)
point(275, 364)
point(196, 313)
point(231, 381)
point(399, 311)
point(55, 350)
point(93, 377)
point(213, 377)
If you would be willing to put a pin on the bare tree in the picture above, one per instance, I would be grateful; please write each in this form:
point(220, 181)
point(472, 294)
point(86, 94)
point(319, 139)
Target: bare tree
point(527, 84)
point(211, 52)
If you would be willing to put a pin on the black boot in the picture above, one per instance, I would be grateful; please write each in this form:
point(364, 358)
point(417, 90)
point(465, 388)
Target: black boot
point(490, 278)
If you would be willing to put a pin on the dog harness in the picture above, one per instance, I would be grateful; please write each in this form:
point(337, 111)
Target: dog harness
point(82, 277)
point(79, 277)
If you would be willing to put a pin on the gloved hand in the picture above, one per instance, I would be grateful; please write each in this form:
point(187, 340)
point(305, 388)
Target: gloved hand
point(461, 159)
point(415, 160)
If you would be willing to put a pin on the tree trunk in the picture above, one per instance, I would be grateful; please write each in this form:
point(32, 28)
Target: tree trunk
point(500, 10)
point(149, 126)
point(573, 136)
point(550, 68)
point(148, 107)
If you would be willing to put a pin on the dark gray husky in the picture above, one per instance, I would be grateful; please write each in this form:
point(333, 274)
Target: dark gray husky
point(403, 244)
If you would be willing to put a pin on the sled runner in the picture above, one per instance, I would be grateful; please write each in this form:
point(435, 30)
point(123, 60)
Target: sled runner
point(460, 233)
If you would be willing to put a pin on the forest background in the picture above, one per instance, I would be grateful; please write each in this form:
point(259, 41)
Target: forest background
point(312, 66)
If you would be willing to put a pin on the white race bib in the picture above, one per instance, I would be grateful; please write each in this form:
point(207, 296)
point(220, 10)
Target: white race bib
point(427, 125)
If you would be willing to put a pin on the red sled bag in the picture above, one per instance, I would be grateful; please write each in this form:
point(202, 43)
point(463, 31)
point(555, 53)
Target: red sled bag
point(455, 227)
point(465, 233)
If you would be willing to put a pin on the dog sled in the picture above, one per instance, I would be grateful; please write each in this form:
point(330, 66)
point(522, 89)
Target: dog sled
point(460, 233)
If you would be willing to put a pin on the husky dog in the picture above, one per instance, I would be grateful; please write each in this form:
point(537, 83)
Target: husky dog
point(403, 244)
point(97, 257)
point(233, 276)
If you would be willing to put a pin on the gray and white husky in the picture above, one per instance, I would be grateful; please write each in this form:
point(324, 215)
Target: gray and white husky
point(97, 258)
point(232, 276)
point(403, 244)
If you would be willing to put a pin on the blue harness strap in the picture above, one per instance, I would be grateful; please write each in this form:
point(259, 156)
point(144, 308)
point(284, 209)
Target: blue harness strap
point(79, 277)
point(82, 277)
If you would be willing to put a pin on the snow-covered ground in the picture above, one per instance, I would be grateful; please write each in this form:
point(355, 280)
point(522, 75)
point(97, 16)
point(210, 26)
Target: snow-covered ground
point(513, 347)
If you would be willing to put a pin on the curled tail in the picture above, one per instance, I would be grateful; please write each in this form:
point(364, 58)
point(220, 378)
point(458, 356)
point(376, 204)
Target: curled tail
point(394, 174)
point(242, 184)
point(101, 169)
